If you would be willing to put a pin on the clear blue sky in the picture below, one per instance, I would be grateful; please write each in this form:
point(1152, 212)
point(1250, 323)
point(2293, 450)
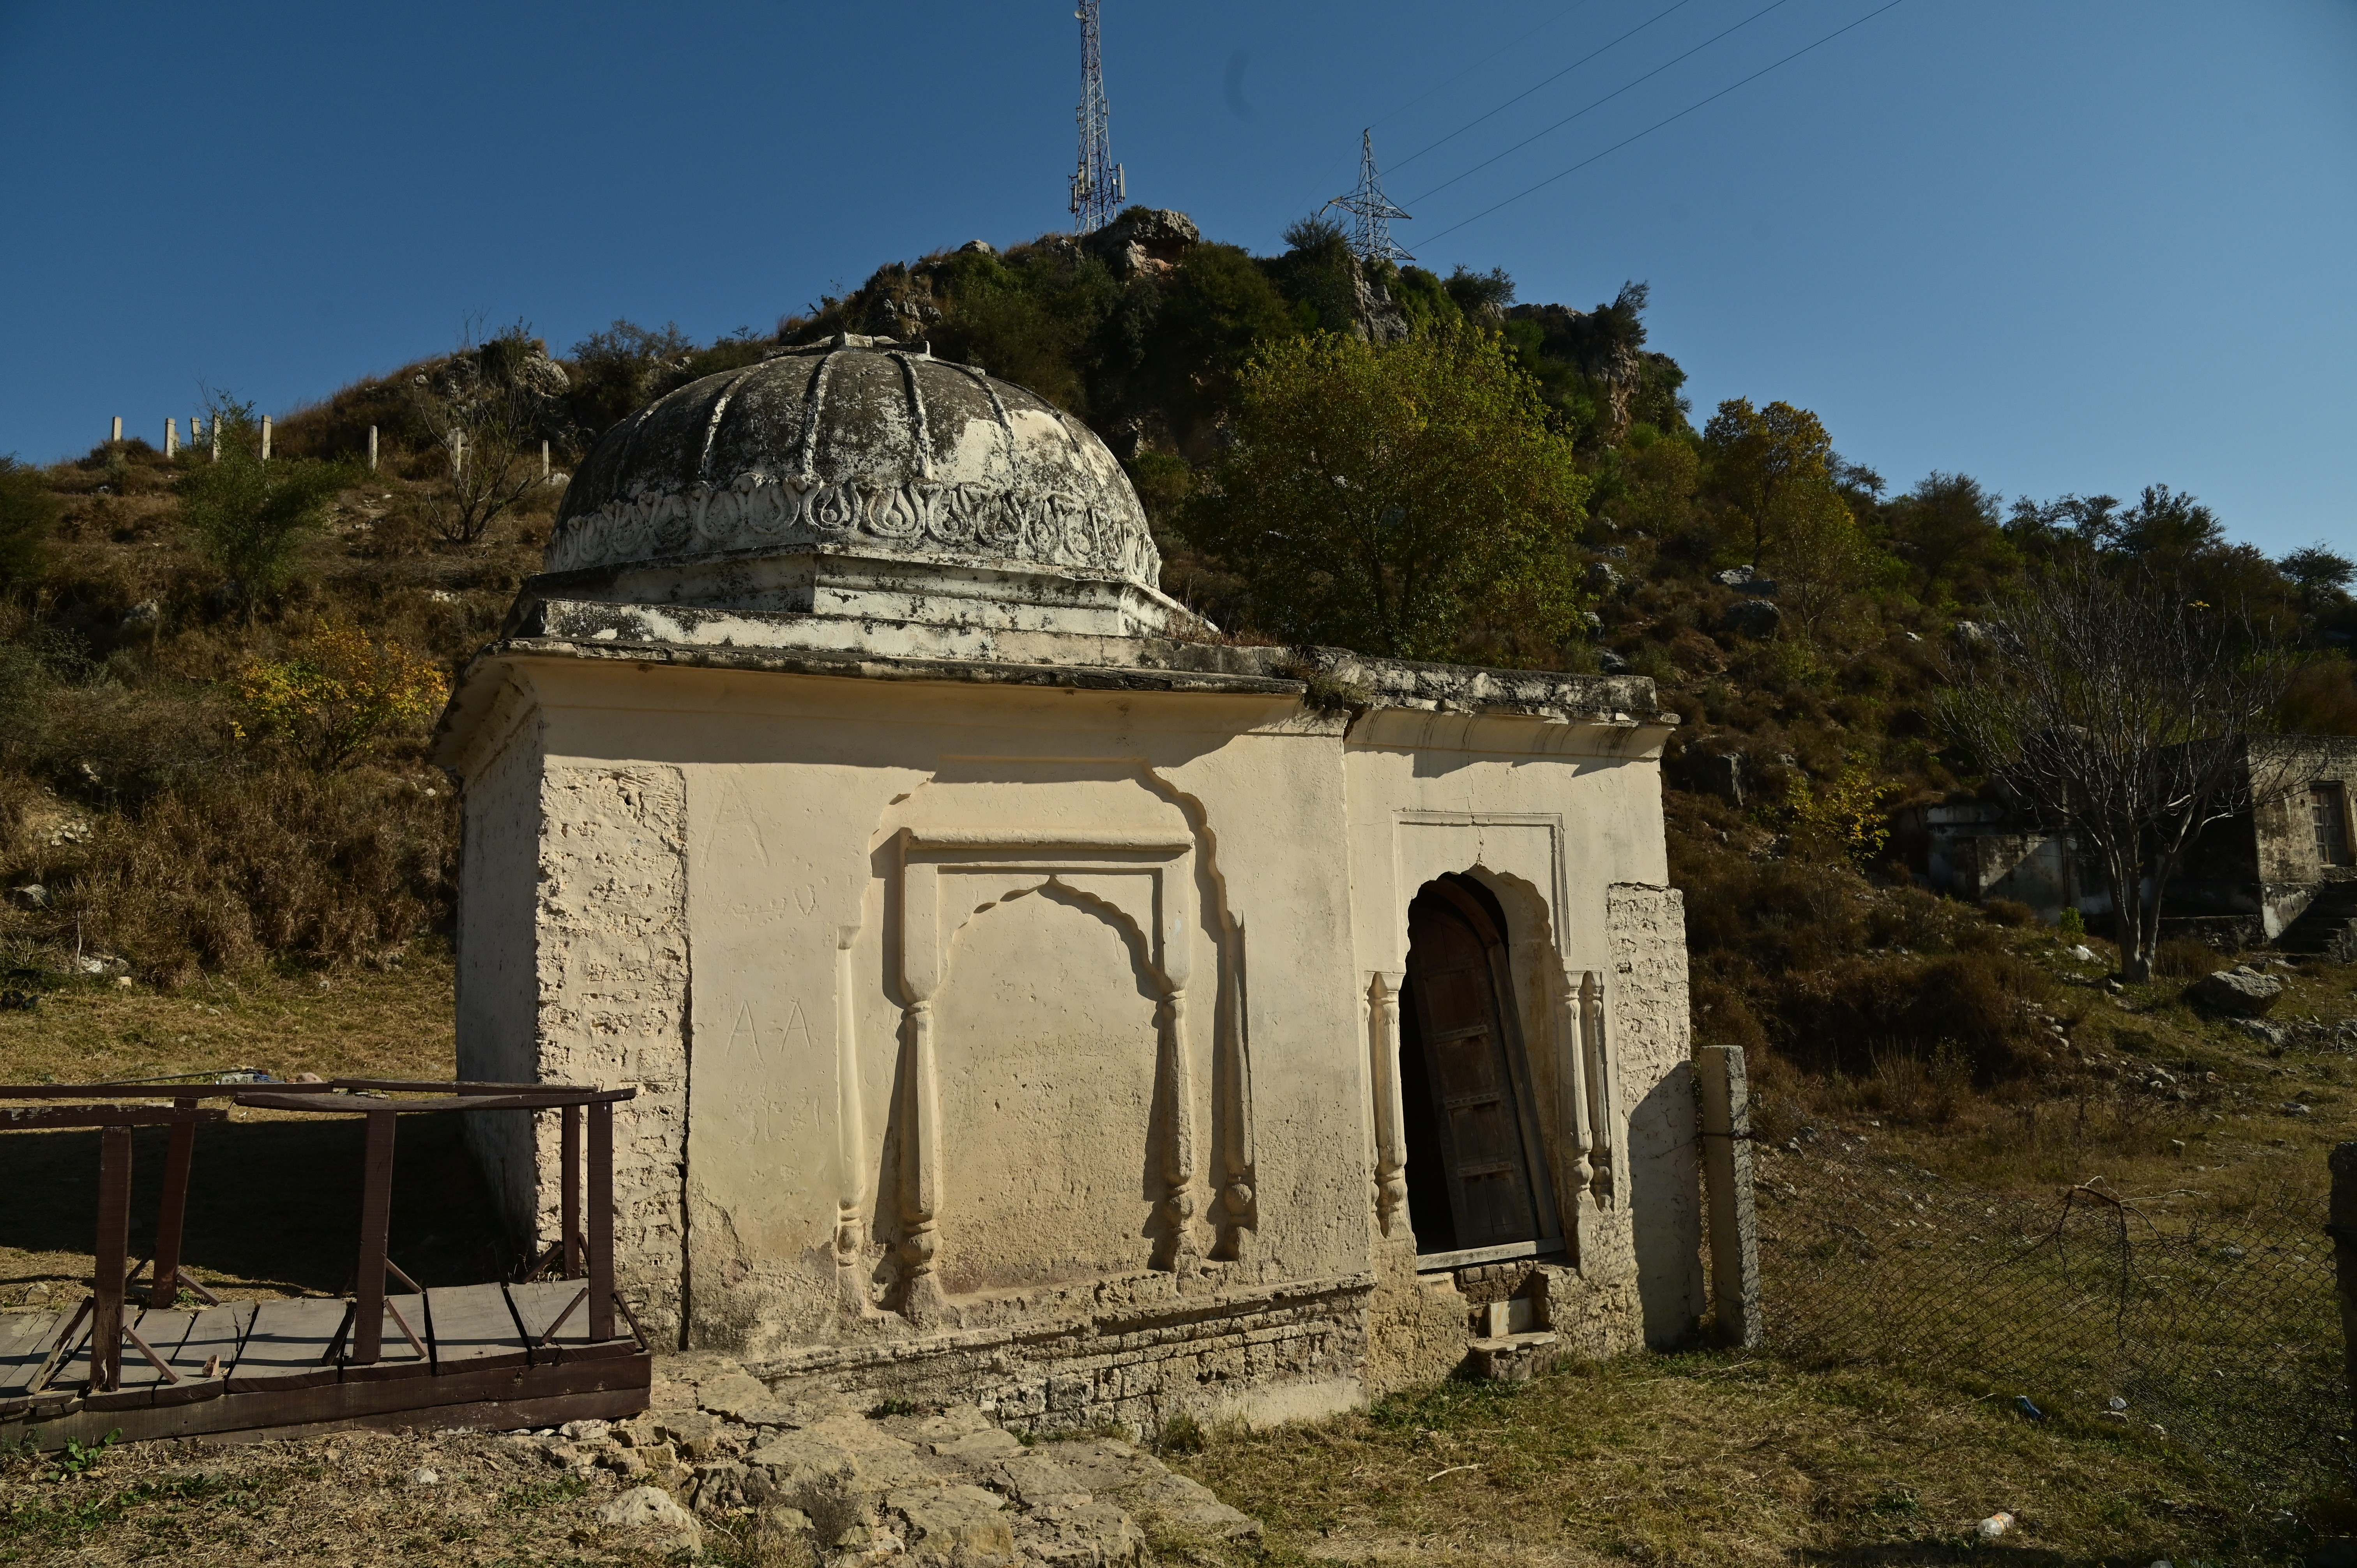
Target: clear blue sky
point(2059, 244)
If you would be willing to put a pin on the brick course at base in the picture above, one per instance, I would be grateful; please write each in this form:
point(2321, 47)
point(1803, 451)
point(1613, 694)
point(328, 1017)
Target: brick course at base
point(1299, 1350)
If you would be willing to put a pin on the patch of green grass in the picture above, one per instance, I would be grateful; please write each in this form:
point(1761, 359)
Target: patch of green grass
point(533, 1495)
point(1715, 1458)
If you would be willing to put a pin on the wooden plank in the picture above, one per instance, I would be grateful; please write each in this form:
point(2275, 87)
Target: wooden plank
point(540, 1303)
point(605, 1387)
point(474, 1330)
point(395, 1357)
point(164, 1331)
point(217, 1331)
point(287, 1346)
point(24, 1342)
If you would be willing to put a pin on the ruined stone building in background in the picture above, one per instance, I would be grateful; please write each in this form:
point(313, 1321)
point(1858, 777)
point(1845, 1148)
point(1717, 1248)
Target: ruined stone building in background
point(1032, 997)
point(2282, 872)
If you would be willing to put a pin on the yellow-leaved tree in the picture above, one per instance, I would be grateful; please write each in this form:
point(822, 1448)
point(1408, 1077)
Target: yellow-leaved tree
point(339, 693)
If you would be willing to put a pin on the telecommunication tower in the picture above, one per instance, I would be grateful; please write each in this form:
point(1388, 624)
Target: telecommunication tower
point(1372, 211)
point(1098, 188)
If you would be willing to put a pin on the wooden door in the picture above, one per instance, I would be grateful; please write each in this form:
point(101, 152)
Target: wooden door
point(1459, 992)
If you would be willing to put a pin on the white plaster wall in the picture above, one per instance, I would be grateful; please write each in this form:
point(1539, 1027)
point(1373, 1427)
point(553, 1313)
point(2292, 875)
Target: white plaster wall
point(796, 787)
point(718, 917)
point(498, 981)
point(1046, 1029)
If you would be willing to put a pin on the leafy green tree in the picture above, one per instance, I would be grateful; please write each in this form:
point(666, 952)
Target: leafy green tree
point(1757, 455)
point(1820, 557)
point(1946, 531)
point(2318, 569)
point(1216, 307)
point(28, 512)
point(1319, 275)
point(1387, 497)
point(249, 518)
point(1482, 296)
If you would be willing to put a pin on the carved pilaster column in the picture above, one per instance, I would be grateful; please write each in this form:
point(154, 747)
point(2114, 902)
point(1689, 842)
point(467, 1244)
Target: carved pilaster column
point(1178, 1149)
point(1571, 1077)
point(850, 1132)
point(1237, 1143)
point(920, 1173)
point(1603, 1111)
point(1391, 1136)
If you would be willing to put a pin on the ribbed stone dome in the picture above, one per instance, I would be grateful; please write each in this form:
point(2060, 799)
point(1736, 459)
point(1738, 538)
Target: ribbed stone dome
point(867, 447)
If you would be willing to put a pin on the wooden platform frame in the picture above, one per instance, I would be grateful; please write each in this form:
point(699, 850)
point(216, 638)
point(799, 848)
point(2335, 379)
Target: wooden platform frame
point(484, 1355)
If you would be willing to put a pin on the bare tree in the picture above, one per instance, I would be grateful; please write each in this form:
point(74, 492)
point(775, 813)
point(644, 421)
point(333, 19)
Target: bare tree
point(487, 405)
point(2117, 709)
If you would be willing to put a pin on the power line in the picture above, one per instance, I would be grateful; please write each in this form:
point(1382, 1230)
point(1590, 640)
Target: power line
point(1601, 103)
point(1681, 114)
point(1402, 109)
point(1518, 97)
point(1478, 64)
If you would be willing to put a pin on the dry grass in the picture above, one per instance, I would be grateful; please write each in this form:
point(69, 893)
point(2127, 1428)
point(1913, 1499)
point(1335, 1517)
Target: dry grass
point(274, 1204)
point(339, 1499)
point(1711, 1459)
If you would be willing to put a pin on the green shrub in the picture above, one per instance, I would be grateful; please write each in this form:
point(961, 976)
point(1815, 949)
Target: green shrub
point(28, 513)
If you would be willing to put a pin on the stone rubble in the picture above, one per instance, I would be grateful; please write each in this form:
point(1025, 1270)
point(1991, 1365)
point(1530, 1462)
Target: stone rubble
point(2240, 990)
point(930, 1486)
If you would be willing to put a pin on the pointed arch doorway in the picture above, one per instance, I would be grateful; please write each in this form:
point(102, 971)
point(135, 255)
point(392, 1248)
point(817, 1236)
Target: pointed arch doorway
point(1477, 1176)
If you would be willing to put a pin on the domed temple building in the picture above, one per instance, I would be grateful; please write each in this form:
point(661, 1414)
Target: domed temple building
point(1033, 998)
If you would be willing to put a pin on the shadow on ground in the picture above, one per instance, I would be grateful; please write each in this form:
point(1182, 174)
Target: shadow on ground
point(274, 1205)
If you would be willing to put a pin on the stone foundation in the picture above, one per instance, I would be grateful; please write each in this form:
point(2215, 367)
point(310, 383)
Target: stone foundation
point(1261, 1356)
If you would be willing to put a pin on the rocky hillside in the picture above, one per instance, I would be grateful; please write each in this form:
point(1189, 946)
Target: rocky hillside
point(215, 677)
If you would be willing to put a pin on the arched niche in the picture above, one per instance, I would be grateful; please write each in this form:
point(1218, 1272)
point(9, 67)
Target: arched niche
point(1047, 1050)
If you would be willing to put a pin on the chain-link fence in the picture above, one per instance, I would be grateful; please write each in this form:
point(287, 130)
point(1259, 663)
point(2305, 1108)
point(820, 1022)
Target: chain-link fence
point(2221, 1332)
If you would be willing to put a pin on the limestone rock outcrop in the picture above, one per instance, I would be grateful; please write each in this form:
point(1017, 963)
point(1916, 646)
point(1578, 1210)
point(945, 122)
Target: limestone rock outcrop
point(937, 1486)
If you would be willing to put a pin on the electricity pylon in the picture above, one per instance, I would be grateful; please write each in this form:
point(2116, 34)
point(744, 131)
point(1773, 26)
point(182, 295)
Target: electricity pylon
point(1372, 211)
point(1098, 187)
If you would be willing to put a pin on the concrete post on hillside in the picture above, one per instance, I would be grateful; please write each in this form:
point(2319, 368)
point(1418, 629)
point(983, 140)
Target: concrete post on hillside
point(116, 436)
point(1726, 1173)
point(2342, 1226)
point(458, 453)
point(543, 462)
point(215, 429)
point(265, 438)
point(171, 436)
point(371, 448)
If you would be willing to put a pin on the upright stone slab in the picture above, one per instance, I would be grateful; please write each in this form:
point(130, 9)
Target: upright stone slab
point(1727, 1170)
point(2343, 1227)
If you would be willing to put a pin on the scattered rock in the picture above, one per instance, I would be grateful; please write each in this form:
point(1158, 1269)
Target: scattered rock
point(1603, 577)
point(1747, 579)
point(948, 1524)
point(2082, 953)
point(425, 1478)
point(651, 1507)
point(584, 1430)
point(1592, 621)
point(145, 613)
point(1752, 617)
point(2240, 990)
point(1144, 240)
point(2275, 1036)
point(32, 895)
point(978, 248)
point(1611, 663)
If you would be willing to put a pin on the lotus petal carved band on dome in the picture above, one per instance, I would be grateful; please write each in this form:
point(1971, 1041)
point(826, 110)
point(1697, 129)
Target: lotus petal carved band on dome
point(762, 510)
